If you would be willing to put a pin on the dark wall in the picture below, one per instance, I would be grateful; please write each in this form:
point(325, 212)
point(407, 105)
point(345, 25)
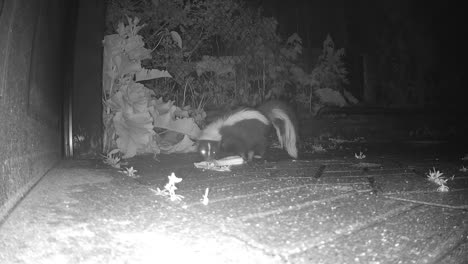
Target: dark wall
point(87, 78)
point(32, 71)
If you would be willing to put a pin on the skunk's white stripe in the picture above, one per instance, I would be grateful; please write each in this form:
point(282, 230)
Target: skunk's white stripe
point(246, 114)
point(278, 134)
point(211, 132)
point(289, 137)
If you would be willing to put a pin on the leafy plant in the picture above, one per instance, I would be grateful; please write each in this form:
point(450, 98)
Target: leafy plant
point(112, 158)
point(131, 112)
point(329, 76)
point(330, 71)
point(360, 156)
point(436, 177)
point(231, 54)
point(130, 172)
point(170, 188)
point(221, 33)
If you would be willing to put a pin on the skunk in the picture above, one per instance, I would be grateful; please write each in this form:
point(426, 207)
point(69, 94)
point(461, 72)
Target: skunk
point(243, 131)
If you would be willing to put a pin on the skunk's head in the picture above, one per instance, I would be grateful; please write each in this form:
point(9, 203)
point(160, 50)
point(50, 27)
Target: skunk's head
point(210, 138)
point(208, 149)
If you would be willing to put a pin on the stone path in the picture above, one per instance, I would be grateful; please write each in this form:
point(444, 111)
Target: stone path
point(322, 210)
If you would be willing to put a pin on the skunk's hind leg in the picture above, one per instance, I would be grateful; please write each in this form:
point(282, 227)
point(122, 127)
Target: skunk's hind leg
point(256, 150)
point(250, 155)
point(260, 149)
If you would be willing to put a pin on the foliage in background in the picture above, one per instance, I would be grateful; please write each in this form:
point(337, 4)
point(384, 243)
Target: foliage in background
point(325, 84)
point(231, 54)
point(131, 112)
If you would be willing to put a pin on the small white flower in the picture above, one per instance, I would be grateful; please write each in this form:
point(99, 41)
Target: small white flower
point(443, 188)
point(112, 158)
point(173, 179)
point(170, 188)
point(360, 156)
point(130, 172)
point(434, 176)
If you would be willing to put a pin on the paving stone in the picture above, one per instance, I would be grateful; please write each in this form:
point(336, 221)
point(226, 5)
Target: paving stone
point(456, 199)
point(262, 203)
point(424, 234)
point(299, 227)
point(322, 210)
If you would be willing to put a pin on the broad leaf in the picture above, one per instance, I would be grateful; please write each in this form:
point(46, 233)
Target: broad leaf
point(135, 132)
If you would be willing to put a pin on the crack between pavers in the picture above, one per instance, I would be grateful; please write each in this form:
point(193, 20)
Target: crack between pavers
point(343, 233)
point(424, 191)
point(294, 207)
point(328, 162)
point(360, 170)
point(197, 180)
point(226, 186)
point(450, 249)
point(459, 207)
point(292, 168)
point(257, 193)
point(326, 184)
point(377, 175)
point(276, 191)
point(252, 243)
point(223, 228)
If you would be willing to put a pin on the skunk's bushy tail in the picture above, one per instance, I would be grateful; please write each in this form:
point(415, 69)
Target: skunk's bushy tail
point(285, 123)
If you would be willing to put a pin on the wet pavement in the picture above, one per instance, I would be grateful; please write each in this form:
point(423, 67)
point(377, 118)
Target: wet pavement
point(324, 208)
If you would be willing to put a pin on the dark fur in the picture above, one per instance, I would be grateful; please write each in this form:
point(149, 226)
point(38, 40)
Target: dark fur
point(247, 137)
point(238, 139)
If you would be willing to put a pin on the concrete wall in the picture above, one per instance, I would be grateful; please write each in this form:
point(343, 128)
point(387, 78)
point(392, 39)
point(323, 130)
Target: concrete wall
point(32, 70)
point(87, 78)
